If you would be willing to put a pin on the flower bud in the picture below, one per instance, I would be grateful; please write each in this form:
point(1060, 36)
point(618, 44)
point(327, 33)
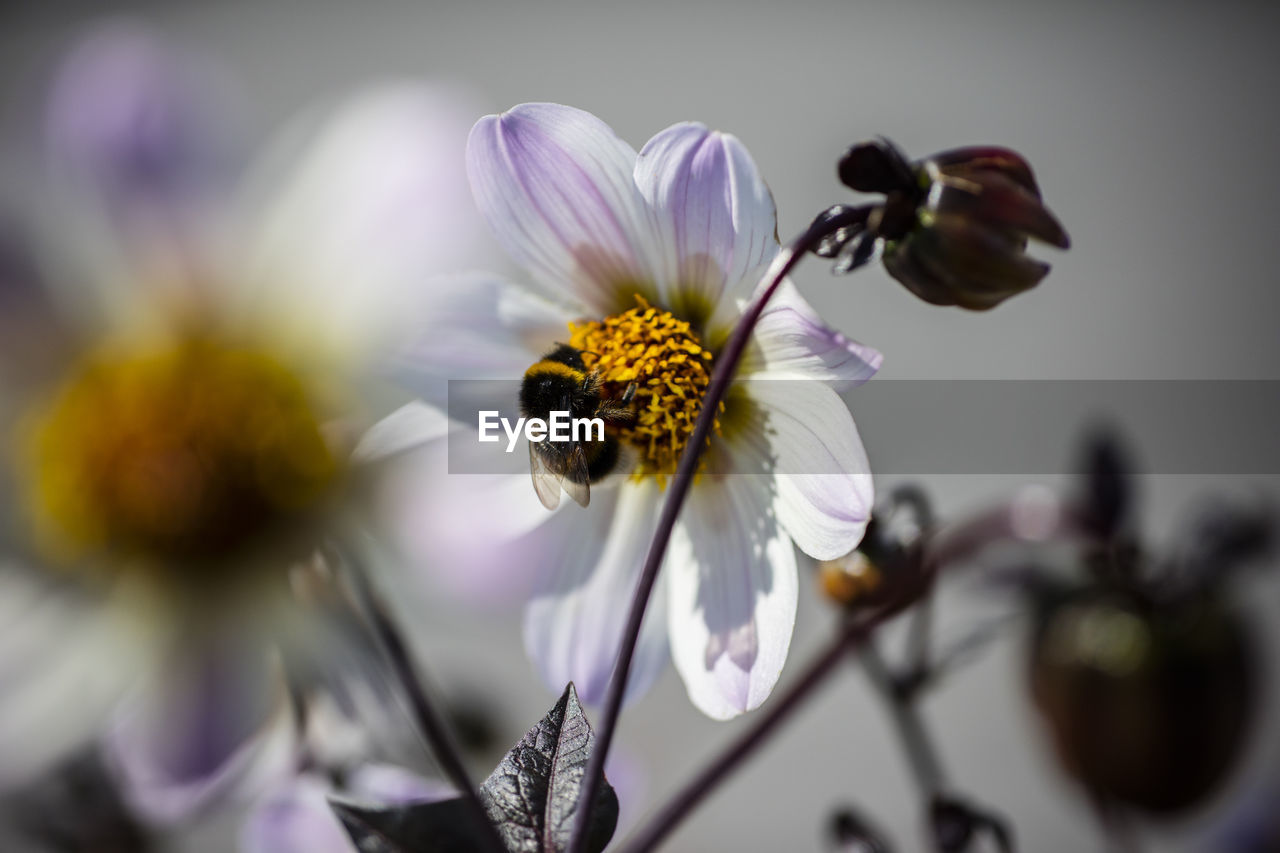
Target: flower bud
point(953, 228)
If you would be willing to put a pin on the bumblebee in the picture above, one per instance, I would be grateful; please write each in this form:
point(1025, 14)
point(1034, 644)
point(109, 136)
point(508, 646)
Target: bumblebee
point(561, 382)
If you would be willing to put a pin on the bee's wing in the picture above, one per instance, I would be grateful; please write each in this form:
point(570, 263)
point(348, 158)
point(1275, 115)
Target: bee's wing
point(576, 479)
point(546, 482)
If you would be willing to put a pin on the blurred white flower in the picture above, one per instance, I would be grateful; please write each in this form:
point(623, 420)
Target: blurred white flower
point(184, 387)
point(644, 262)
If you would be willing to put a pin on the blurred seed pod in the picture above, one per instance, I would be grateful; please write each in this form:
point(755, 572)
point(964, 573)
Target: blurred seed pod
point(1148, 705)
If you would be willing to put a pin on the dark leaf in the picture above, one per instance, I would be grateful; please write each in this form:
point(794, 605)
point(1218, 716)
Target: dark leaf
point(447, 826)
point(531, 798)
point(533, 794)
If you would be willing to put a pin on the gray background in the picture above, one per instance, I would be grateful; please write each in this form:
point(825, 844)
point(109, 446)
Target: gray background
point(1151, 126)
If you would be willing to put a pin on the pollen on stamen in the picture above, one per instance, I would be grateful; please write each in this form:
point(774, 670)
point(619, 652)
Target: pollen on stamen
point(671, 370)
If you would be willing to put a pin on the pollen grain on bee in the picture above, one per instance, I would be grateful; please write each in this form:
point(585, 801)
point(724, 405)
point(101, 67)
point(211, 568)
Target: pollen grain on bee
point(560, 427)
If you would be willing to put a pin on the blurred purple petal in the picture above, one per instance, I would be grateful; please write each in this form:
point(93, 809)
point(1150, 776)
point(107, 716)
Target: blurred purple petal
point(392, 785)
point(212, 728)
point(360, 209)
point(432, 513)
point(129, 115)
point(297, 817)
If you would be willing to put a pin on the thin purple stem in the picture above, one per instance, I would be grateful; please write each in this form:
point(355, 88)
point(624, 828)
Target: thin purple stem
point(726, 365)
point(677, 807)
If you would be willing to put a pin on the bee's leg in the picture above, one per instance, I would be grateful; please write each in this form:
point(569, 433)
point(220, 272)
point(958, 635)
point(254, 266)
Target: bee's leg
point(629, 394)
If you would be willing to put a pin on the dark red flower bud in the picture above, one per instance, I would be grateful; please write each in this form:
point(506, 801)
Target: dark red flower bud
point(953, 228)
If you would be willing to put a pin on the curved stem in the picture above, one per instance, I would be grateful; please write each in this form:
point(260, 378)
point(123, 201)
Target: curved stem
point(427, 718)
point(677, 808)
point(726, 365)
point(905, 713)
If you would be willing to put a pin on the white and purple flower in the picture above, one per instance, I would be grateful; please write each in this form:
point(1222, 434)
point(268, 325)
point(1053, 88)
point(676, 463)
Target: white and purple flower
point(182, 407)
point(645, 262)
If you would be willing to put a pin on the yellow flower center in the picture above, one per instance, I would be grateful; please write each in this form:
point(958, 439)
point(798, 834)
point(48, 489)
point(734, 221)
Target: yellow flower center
point(671, 369)
point(187, 453)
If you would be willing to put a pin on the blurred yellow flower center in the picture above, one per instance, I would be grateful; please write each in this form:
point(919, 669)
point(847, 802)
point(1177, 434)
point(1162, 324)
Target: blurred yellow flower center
point(188, 452)
point(663, 357)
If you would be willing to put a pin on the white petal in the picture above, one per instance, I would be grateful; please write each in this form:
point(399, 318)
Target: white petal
point(64, 665)
point(804, 432)
point(408, 427)
point(574, 622)
point(556, 186)
point(714, 211)
point(794, 343)
point(360, 210)
point(733, 589)
point(477, 326)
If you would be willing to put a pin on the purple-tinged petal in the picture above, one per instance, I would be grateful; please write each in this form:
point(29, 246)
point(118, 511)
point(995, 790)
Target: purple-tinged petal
point(733, 592)
point(556, 185)
point(573, 624)
point(628, 773)
point(210, 730)
point(795, 344)
point(297, 818)
point(715, 214)
point(354, 213)
point(823, 487)
point(130, 116)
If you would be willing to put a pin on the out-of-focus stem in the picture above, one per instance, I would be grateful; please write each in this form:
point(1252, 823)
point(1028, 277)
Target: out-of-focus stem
point(726, 364)
point(903, 710)
point(427, 718)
